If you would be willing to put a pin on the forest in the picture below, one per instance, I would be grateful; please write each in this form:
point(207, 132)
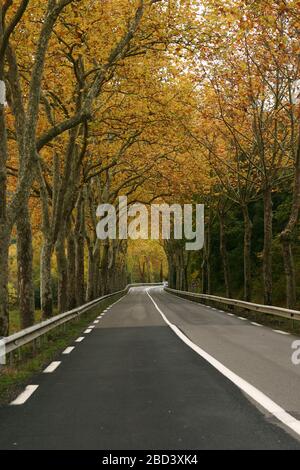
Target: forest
point(175, 101)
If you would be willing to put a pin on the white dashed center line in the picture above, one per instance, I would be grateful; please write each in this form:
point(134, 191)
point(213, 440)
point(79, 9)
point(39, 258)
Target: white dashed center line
point(51, 368)
point(23, 397)
point(68, 350)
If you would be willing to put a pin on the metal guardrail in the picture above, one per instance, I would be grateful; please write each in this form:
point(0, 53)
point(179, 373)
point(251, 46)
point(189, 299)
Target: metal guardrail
point(268, 309)
point(15, 341)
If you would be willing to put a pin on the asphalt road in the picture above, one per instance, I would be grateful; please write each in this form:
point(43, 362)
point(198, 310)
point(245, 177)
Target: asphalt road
point(132, 383)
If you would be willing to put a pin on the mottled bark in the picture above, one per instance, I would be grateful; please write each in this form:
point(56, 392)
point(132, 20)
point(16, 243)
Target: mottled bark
point(206, 258)
point(90, 275)
point(46, 281)
point(25, 274)
point(104, 288)
point(161, 273)
point(62, 274)
point(4, 247)
point(79, 252)
point(79, 270)
point(4, 229)
point(208, 253)
point(71, 271)
point(203, 274)
point(224, 255)
point(97, 280)
point(247, 254)
point(267, 252)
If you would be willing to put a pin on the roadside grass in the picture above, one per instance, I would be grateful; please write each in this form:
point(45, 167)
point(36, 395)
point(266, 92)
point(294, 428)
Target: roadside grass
point(22, 367)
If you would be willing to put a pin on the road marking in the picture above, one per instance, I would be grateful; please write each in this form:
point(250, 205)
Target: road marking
point(253, 392)
point(51, 368)
point(87, 331)
point(96, 321)
point(231, 314)
point(91, 327)
point(255, 324)
point(69, 350)
point(23, 397)
point(281, 332)
point(242, 318)
point(78, 340)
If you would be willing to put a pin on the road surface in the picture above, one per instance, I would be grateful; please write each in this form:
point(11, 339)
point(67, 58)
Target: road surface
point(136, 381)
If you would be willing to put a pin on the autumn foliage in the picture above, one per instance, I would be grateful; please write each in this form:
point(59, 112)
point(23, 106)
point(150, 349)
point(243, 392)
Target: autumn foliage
point(158, 100)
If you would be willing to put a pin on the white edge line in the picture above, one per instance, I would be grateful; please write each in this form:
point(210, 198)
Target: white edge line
point(258, 396)
point(23, 397)
point(78, 340)
point(69, 350)
point(242, 318)
point(52, 367)
point(87, 331)
point(255, 324)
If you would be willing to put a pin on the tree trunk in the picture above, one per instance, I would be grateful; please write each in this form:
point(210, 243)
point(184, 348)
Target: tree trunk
point(224, 256)
point(89, 289)
point(4, 229)
point(286, 236)
point(104, 268)
point(206, 262)
point(4, 247)
point(97, 279)
point(289, 269)
point(204, 272)
point(25, 274)
point(79, 250)
point(172, 272)
point(208, 253)
point(62, 272)
point(71, 271)
point(161, 273)
point(267, 253)
point(46, 283)
point(247, 253)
